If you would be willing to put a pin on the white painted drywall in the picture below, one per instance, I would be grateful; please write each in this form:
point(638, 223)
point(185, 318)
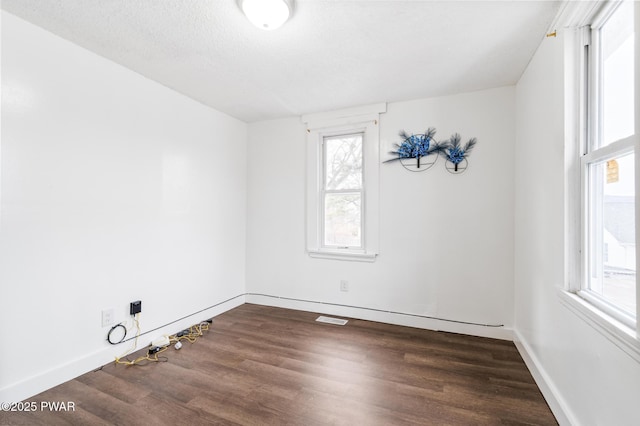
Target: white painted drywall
point(446, 241)
point(592, 381)
point(114, 189)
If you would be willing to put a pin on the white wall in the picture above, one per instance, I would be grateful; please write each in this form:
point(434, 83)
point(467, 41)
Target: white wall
point(588, 380)
point(446, 241)
point(114, 189)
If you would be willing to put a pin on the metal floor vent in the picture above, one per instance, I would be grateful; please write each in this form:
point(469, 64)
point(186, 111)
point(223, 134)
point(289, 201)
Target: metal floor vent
point(329, 320)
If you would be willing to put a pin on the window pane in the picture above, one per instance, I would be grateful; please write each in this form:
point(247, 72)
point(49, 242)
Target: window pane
point(612, 232)
point(618, 75)
point(342, 218)
point(343, 162)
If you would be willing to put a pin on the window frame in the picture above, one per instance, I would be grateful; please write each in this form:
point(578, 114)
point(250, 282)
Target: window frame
point(577, 19)
point(324, 191)
point(616, 149)
point(363, 120)
point(592, 153)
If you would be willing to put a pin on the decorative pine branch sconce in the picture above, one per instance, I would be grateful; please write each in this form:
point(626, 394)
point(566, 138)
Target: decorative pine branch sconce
point(456, 155)
point(419, 152)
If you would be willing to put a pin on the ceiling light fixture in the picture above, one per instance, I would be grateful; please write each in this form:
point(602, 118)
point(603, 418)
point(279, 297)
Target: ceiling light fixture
point(267, 14)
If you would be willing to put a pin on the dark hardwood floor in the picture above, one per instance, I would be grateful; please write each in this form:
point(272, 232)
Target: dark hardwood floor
point(260, 365)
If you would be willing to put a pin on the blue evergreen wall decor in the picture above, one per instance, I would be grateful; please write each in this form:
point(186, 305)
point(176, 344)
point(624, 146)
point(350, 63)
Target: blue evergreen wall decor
point(419, 152)
point(456, 155)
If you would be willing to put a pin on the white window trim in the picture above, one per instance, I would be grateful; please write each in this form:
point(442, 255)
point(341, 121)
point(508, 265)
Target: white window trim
point(572, 17)
point(364, 119)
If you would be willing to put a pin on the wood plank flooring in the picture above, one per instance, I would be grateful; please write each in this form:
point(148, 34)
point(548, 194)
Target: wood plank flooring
point(261, 365)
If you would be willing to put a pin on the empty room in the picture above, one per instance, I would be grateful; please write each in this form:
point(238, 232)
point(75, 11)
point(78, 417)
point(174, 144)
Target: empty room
point(315, 212)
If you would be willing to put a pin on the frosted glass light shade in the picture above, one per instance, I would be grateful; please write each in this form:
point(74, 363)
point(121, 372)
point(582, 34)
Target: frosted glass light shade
point(266, 14)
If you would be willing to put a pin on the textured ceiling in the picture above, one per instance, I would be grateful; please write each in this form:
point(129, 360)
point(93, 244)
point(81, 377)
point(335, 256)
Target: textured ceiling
point(332, 54)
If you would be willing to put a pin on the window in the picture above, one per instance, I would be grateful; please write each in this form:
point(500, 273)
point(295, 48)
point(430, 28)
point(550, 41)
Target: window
point(342, 191)
point(342, 183)
point(607, 164)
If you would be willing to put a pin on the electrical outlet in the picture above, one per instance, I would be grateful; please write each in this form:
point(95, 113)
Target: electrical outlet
point(108, 317)
point(344, 285)
point(135, 307)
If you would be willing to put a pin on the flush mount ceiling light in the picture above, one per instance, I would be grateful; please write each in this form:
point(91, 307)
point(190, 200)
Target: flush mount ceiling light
point(267, 14)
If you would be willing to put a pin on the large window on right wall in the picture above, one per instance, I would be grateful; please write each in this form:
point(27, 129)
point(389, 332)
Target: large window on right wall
point(607, 164)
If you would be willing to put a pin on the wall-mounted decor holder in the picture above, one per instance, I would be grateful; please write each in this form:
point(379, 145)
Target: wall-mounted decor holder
point(419, 152)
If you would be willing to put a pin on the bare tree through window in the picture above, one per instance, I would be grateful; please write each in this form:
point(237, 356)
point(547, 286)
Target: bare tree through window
point(343, 160)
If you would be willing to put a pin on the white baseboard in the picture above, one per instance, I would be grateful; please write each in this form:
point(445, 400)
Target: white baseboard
point(502, 333)
point(558, 405)
point(36, 384)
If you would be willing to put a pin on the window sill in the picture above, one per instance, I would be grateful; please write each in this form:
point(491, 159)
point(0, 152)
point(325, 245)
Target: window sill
point(343, 255)
point(618, 333)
